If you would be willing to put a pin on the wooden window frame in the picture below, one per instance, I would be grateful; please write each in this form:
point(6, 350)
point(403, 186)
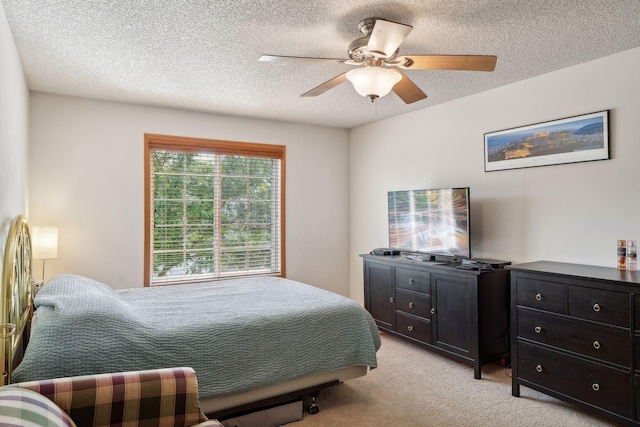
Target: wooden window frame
point(214, 146)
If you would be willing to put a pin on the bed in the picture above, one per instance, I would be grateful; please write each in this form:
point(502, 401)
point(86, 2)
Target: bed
point(249, 340)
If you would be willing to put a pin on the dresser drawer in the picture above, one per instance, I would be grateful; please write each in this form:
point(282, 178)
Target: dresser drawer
point(413, 303)
point(413, 280)
point(540, 294)
point(587, 381)
point(599, 305)
point(595, 341)
point(414, 327)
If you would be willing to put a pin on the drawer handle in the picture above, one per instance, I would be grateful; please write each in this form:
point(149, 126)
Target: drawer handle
point(392, 299)
point(596, 307)
point(410, 328)
point(595, 386)
point(411, 305)
point(538, 329)
point(596, 345)
point(432, 311)
point(538, 297)
point(539, 368)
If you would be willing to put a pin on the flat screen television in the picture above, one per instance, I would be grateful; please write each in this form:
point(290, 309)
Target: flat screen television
point(432, 222)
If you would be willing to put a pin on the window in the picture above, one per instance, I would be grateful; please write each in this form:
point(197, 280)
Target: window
point(213, 209)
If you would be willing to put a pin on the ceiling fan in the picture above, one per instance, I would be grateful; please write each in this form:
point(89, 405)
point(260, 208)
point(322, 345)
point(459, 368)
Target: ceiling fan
point(379, 61)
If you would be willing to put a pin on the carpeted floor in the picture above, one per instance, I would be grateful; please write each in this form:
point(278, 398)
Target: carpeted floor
point(416, 387)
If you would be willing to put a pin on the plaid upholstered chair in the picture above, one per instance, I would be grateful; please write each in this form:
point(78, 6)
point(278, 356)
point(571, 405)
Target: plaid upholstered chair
point(160, 397)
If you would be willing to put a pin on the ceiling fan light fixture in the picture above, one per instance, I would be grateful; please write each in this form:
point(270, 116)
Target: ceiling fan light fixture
point(373, 82)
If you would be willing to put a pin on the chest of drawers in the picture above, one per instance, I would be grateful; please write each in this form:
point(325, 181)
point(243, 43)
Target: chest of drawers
point(463, 314)
point(575, 335)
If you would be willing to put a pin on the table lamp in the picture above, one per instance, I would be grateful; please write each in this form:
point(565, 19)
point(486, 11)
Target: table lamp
point(44, 244)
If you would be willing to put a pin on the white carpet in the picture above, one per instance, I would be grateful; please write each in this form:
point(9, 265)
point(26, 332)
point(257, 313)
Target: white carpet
point(416, 387)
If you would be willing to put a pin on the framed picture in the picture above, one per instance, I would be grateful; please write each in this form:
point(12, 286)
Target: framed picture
point(574, 139)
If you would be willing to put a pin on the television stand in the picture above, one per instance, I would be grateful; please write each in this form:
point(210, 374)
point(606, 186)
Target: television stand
point(463, 314)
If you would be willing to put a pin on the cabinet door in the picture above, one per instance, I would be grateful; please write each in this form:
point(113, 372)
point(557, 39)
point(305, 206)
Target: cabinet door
point(379, 294)
point(637, 344)
point(454, 301)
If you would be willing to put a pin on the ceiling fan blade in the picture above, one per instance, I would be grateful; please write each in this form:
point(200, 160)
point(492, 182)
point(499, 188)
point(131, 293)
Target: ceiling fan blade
point(326, 85)
point(276, 58)
point(407, 90)
point(386, 37)
point(448, 62)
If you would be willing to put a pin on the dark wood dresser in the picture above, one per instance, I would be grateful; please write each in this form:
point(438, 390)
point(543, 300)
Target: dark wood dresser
point(463, 314)
point(575, 335)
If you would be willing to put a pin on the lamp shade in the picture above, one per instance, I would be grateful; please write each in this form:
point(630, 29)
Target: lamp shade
point(373, 82)
point(44, 242)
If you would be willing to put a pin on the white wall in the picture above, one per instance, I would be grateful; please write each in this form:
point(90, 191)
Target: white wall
point(569, 213)
point(14, 103)
point(86, 176)
point(86, 163)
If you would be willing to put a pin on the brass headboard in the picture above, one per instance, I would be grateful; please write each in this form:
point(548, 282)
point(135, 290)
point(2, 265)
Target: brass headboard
point(16, 297)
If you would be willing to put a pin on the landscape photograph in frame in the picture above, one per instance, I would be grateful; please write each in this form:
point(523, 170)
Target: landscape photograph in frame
point(574, 139)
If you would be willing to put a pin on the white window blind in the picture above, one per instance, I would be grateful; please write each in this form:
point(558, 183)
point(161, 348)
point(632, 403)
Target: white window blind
point(214, 215)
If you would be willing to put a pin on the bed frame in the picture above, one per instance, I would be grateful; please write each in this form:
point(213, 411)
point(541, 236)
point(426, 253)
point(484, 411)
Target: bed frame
point(16, 297)
point(16, 310)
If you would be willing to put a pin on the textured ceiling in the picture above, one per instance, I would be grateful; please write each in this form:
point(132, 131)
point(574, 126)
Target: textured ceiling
point(203, 55)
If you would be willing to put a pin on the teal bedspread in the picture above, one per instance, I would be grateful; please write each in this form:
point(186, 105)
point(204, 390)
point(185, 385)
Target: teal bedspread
point(236, 334)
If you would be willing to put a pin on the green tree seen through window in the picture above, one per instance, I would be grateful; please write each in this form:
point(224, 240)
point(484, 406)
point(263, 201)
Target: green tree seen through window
point(214, 215)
